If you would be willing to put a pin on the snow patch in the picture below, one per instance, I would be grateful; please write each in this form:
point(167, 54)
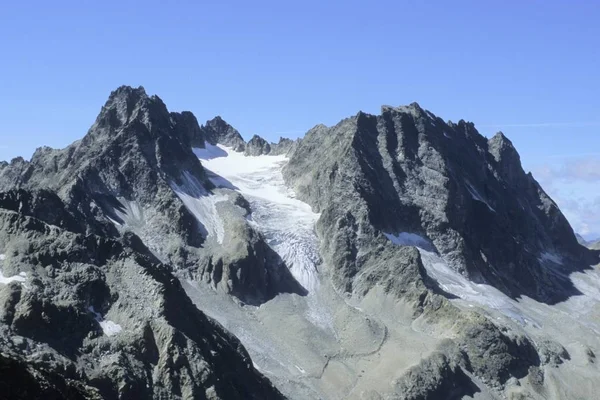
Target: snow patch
point(209, 152)
point(446, 135)
point(286, 223)
point(456, 284)
point(202, 205)
point(22, 277)
point(476, 196)
point(410, 239)
point(433, 117)
point(2, 257)
point(108, 327)
point(129, 213)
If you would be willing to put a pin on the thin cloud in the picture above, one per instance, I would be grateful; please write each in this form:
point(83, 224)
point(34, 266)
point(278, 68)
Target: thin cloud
point(586, 169)
point(583, 214)
point(573, 184)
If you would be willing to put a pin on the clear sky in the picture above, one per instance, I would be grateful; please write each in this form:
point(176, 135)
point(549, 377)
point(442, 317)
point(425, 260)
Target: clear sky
point(277, 68)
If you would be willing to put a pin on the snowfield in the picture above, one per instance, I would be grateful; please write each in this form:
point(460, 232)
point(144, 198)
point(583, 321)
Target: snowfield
point(286, 222)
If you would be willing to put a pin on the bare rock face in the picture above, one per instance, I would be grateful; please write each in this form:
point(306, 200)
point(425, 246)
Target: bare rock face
point(218, 131)
point(257, 146)
point(408, 171)
point(284, 146)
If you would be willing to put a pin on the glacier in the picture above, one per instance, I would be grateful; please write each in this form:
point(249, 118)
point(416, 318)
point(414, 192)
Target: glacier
point(286, 223)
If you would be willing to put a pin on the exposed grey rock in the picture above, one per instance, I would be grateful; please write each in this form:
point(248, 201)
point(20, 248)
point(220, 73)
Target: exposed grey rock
point(284, 146)
point(495, 357)
point(218, 131)
point(187, 125)
point(435, 378)
point(407, 170)
point(125, 169)
point(257, 146)
point(551, 352)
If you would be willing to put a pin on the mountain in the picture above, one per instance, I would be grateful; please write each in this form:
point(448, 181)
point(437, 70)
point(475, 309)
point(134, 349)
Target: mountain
point(389, 256)
point(592, 244)
point(408, 171)
point(82, 230)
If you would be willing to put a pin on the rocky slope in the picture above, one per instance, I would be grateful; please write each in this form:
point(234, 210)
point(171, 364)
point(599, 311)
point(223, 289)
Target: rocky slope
point(392, 256)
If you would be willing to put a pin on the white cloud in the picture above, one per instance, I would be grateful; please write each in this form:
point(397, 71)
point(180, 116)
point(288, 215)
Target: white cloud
point(575, 186)
point(580, 169)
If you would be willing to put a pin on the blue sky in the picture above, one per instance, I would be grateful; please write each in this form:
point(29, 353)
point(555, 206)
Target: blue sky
point(528, 68)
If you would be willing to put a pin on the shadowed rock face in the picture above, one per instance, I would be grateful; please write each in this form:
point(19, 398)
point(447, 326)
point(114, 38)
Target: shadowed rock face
point(407, 170)
point(218, 131)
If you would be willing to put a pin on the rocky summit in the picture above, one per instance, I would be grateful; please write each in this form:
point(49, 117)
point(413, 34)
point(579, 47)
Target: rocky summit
point(391, 256)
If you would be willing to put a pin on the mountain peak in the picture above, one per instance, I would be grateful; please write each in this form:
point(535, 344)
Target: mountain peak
point(217, 130)
point(126, 104)
point(257, 146)
point(126, 91)
point(505, 154)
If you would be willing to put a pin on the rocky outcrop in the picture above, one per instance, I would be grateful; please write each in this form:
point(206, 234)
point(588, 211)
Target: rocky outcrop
point(284, 146)
point(435, 378)
point(257, 146)
point(218, 131)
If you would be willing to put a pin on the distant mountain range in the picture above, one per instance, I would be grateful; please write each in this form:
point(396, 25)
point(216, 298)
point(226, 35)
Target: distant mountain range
point(592, 244)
